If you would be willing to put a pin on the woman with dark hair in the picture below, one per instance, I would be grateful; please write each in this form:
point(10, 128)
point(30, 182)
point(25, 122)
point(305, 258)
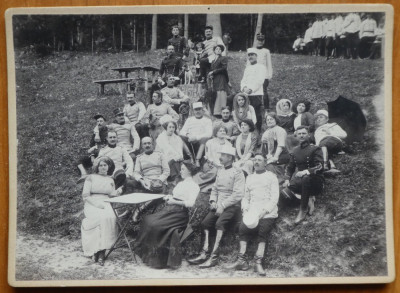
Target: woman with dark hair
point(304, 117)
point(158, 242)
point(285, 115)
point(220, 79)
point(242, 109)
point(99, 228)
point(246, 144)
point(274, 145)
point(154, 112)
point(173, 147)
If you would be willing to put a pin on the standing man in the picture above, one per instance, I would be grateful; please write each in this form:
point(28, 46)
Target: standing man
point(329, 37)
point(226, 194)
point(252, 84)
point(128, 138)
point(263, 58)
point(259, 210)
point(339, 35)
point(209, 43)
point(308, 39)
point(367, 35)
point(179, 43)
point(226, 38)
point(351, 27)
point(308, 180)
point(317, 34)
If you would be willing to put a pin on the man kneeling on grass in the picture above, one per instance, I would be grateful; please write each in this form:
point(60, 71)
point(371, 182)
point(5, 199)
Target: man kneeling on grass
point(259, 209)
point(226, 194)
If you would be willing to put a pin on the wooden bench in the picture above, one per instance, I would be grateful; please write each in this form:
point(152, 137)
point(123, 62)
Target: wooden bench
point(109, 81)
point(146, 69)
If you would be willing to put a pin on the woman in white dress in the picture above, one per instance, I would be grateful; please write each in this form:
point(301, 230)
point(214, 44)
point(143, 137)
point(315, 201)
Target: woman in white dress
point(99, 228)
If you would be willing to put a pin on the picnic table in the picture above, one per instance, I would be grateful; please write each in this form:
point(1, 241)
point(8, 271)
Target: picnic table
point(109, 81)
point(126, 70)
point(129, 203)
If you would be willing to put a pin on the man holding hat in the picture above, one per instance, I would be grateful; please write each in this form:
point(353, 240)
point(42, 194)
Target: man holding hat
point(225, 197)
point(259, 210)
point(252, 84)
point(263, 58)
point(128, 138)
point(197, 130)
point(329, 137)
point(303, 174)
point(209, 43)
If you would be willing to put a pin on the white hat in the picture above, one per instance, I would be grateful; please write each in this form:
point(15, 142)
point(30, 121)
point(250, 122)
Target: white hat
point(322, 112)
point(250, 220)
point(197, 105)
point(130, 95)
point(166, 118)
point(228, 149)
point(251, 51)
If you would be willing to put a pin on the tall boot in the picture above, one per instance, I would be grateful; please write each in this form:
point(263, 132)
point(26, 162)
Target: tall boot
point(199, 259)
point(211, 262)
point(301, 215)
point(241, 263)
point(258, 268)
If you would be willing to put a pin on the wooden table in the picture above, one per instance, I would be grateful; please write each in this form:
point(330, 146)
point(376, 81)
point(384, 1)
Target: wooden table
point(129, 202)
point(108, 81)
point(146, 69)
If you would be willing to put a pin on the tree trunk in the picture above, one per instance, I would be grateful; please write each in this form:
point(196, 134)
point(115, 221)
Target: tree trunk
point(92, 41)
point(122, 39)
point(154, 32)
point(54, 42)
point(144, 34)
point(215, 21)
point(186, 30)
point(258, 27)
point(134, 32)
point(113, 37)
point(180, 25)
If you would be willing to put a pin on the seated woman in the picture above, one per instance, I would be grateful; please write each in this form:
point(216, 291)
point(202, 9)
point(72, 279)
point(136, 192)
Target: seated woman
point(158, 243)
point(304, 117)
point(242, 109)
point(285, 115)
point(172, 146)
point(206, 177)
point(274, 146)
point(246, 144)
point(99, 228)
point(154, 112)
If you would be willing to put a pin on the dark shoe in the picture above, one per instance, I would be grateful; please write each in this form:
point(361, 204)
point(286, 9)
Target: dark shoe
point(300, 216)
point(258, 268)
point(102, 257)
point(199, 259)
point(211, 262)
point(241, 264)
point(96, 256)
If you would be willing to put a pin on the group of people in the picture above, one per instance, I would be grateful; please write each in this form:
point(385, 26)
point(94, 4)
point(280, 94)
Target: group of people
point(352, 35)
point(248, 170)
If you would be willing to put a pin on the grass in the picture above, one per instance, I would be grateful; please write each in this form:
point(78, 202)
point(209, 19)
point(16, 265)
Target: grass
point(56, 100)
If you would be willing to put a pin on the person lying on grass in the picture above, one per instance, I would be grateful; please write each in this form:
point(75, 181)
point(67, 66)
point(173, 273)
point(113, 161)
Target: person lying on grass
point(259, 210)
point(308, 180)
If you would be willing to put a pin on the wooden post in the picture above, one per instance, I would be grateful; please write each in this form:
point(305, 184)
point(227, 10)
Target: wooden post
point(121, 39)
point(102, 88)
point(92, 42)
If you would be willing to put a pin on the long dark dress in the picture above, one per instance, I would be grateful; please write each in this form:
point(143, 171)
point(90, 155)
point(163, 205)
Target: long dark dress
point(158, 243)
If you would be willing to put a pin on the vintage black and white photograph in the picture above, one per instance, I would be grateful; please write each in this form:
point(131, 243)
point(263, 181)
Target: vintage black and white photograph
point(200, 145)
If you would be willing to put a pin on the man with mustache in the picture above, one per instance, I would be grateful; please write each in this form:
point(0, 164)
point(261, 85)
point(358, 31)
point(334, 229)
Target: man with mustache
point(226, 194)
point(173, 95)
point(260, 210)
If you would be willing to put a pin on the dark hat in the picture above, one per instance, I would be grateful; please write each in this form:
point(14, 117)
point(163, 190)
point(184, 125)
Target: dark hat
point(209, 27)
point(260, 37)
point(118, 111)
point(98, 115)
point(220, 46)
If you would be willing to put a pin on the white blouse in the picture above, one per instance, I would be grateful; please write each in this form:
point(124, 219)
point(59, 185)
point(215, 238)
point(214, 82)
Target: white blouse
point(187, 191)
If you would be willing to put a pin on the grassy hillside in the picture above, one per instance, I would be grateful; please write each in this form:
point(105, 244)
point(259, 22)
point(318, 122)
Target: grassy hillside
point(56, 100)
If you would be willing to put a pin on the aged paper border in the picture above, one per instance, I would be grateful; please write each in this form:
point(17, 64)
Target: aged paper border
point(203, 9)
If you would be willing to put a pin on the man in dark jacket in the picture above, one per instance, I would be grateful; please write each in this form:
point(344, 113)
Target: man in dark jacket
point(180, 43)
point(308, 181)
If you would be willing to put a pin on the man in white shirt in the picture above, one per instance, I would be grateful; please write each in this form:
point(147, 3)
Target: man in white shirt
point(259, 210)
point(173, 95)
point(339, 35)
point(298, 44)
point(209, 43)
point(328, 136)
point(367, 36)
point(252, 84)
point(135, 111)
point(197, 130)
point(329, 29)
point(317, 34)
point(263, 58)
point(351, 27)
point(308, 39)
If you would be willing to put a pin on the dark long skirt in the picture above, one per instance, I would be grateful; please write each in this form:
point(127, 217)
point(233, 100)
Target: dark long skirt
point(158, 243)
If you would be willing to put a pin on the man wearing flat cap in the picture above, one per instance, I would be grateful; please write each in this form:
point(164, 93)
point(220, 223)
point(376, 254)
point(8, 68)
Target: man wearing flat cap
point(263, 58)
point(252, 84)
point(225, 197)
point(197, 130)
point(329, 137)
point(209, 43)
point(259, 210)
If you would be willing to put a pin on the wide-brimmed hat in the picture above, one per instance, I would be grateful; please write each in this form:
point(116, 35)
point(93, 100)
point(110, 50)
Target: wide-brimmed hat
point(251, 220)
point(197, 105)
point(322, 112)
point(228, 149)
point(251, 51)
